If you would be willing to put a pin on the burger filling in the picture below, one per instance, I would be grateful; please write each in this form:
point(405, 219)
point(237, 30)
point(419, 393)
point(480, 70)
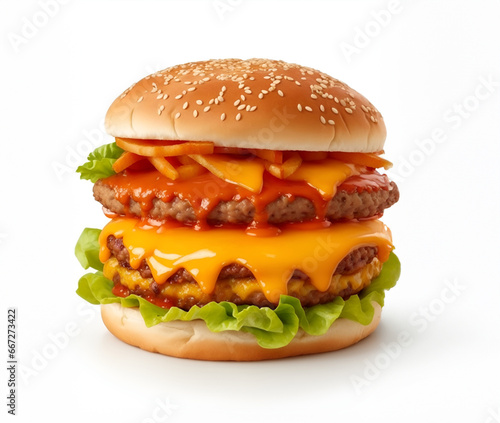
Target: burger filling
point(148, 251)
point(236, 283)
point(183, 292)
point(359, 197)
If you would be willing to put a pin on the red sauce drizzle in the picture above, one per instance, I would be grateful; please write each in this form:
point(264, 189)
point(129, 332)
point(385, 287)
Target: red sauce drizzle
point(120, 290)
point(123, 291)
point(205, 191)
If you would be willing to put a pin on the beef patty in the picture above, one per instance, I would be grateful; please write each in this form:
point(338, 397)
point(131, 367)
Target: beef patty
point(344, 205)
point(352, 263)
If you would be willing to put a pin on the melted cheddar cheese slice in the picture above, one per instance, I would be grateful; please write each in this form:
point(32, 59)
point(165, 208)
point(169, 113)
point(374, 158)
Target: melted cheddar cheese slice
point(325, 175)
point(272, 260)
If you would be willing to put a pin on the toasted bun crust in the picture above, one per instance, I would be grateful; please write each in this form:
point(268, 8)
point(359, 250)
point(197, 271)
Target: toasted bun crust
point(256, 103)
point(194, 340)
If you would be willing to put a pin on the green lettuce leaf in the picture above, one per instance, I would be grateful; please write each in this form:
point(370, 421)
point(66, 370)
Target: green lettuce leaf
point(99, 162)
point(87, 249)
point(271, 328)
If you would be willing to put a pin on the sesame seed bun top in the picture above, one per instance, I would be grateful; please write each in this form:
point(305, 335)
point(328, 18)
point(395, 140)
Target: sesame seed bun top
point(256, 103)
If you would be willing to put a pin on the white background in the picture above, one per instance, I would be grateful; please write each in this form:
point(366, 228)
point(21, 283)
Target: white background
point(431, 67)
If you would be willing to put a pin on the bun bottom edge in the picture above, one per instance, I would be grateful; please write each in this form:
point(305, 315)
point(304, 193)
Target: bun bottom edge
point(194, 340)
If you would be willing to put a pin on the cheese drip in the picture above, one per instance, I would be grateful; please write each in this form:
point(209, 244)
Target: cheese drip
point(272, 260)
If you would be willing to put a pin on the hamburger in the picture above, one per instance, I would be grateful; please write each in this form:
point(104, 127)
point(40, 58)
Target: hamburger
point(244, 199)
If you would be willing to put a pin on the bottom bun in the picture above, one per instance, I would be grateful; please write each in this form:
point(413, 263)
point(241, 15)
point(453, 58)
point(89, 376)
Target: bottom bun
point(194, 340)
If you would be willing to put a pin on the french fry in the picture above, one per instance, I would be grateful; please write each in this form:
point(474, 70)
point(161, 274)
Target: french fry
point(164, 167)
point(286, 169)
point(188, 171)
point(275, 169)
point(186, 160)
point(125, 160)
point(362, 159)
point(161, 149)
point(272, 156)
point(245, 173)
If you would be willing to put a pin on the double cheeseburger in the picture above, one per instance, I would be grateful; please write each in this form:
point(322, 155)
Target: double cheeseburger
point(244, 200)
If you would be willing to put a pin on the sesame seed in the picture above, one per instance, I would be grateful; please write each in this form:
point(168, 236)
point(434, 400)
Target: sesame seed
point(199, 102)
point(348, 110)
point(177, 97)
point(241, 107)
point(216, 100)
point(211, 101)
point(248, 108)
point(309, 109)
point(297, 82)
point(314, 96)
point(222, 116)
point(364, 108)
point(331, 122)
point(373, 119)
point(185, 105)
point(299, 106)
point(238, 116)
point(248, 92)
point(237, 102)
point(264, 92)
point(177, 115)
point(261, 95)
point(253, 108)
point(220, 98)
point(206, 109)
point(223, 89)
point(140, 99)
point(336, 99)
point(165, 96)
point(192, 89)
point(322, 119)
point(187, 82)
point(280, 93)
point(195, 113)
point(322, 108)
point(159, 96)
point(243, 98)
point(334, 110)
point(343, 103)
